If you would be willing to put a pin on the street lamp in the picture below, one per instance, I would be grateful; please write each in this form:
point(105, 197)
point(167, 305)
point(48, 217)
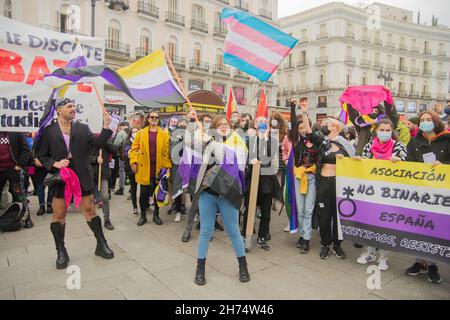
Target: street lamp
point(93, 18)
point(386, 76)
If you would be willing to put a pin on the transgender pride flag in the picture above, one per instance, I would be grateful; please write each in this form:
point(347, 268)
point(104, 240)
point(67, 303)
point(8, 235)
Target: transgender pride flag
point(253, 46)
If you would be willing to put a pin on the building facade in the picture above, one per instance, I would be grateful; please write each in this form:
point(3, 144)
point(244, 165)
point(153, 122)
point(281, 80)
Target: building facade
point(342, 45)
point(191, 31)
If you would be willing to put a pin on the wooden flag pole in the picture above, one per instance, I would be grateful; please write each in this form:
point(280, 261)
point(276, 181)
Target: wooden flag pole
point(100, 170)
point(183, 90)
point(252, 205)
point(98, 97)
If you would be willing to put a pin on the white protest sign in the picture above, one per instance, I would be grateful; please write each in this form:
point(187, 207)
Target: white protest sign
point(27, 53)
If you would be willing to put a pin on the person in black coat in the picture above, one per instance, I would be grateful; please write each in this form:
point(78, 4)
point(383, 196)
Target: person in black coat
point(108, 152)
point(262, 148)
point(67, 143)
point(14, 157)
point(431, 140)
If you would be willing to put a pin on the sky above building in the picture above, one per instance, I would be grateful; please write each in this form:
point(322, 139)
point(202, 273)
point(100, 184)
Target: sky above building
point(440, 8)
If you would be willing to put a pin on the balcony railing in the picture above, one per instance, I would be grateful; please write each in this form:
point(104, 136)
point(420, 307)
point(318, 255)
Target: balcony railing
point(403, 69)
point(117, 49)
point(178, 62)
point(350, 59)
point(322, 35)
point(377, 42)
point(302, 64)
point(389, 44)
point(402, 47)
point(224, 1)
point(67, 31)
point(350, 35)
point(427, 51)
point(199, 65)
point(414, 94)
point(221, 69)
point(427, 72)
point(265, 13)
point(147, 9)
point(390, 67)
point(414, 70)
point(175, 18)
point(120, 5)
point(198, 25)
point(321, 86)
point(441, 75)
point(441, 97)
point(240, 74)
point(442, 53)
point(321, 60)
point(304, 39)
point(302, 88)
point(220, 32)
point(414, 49)
point(142, 52)
point(242, 5)
point(365, 62)
point(365, 38)
point(403, 93)
point(377, 65)
point(288, 66)
point(426, 95)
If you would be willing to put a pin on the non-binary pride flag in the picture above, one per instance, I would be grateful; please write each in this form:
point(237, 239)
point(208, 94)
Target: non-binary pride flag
point(147, 81)
point(254, 46)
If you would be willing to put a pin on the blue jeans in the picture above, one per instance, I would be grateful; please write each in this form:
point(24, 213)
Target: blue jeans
point(305, 206)
point(208, 207)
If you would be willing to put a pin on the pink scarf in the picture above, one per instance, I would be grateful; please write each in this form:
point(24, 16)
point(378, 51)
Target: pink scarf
point(382, 151)
point(72, 187)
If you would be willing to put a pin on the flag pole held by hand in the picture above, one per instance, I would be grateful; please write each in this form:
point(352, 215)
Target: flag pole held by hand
point(100, 171)
point(252, 205)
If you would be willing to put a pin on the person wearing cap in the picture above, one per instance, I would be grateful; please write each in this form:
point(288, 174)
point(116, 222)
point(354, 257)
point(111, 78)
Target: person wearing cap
point(66, 144)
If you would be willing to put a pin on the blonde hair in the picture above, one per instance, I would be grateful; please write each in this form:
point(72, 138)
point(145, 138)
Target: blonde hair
point(335, 122)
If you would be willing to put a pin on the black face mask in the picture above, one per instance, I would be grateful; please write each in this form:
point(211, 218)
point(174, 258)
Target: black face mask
point(373, 116)
point(325, 130)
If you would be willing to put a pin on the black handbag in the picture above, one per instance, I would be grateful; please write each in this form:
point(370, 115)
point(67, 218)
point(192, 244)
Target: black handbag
point(52, 179)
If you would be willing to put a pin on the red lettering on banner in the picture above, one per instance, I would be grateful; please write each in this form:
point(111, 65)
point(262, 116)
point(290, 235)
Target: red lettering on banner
point(10, 61)
point(59, 63)
point(38, 70)
point(82, 87)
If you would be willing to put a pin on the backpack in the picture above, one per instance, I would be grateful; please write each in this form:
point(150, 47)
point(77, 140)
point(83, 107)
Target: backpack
point(11, 218)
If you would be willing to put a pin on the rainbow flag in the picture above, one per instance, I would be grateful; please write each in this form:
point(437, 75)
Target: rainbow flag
point(289, 194)
point(254, 46)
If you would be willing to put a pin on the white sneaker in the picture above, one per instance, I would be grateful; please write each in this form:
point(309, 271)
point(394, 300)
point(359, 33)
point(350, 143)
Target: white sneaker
point(178, 217)
point(366, 258)
point(288, 228)
point(382, 264)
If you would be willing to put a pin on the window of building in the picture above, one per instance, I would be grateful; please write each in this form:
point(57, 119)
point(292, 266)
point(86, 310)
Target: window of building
point(197, 53)
point(323, 28)
point(322, 102)
point(349, 51)
point(173, 6)
point(198, 13)
point(7, 9)
point(364, 79)
point(239, 94)
point(194, 85)
point(265, 5)
point(323, 51)
point(173, 47)
point(219, 58)
point(304, 33)
point(302, 60)
point(114, 34)
point(145, 41)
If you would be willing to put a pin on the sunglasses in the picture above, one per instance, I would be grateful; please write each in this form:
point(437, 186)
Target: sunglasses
point(153, 118)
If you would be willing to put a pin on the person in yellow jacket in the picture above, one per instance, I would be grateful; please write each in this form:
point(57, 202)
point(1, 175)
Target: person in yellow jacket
point(149, 153)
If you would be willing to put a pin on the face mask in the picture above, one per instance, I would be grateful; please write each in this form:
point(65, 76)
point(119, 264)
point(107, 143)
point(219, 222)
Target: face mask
point(426, 126)
point(325, 130)
point(274, 123)
point(384, 136)
point(373, 116)
point(262, 127)
point(246, 127)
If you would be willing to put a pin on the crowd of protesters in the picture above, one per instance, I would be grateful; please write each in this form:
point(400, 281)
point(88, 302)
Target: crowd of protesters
point(140, 152)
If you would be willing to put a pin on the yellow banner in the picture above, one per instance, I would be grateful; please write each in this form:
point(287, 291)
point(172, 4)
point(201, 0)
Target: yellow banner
point(409, 173)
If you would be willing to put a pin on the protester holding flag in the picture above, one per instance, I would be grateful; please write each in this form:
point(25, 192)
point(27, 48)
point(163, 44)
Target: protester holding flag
point(262, 148)
point(109, 150)
point(149, 154)
point(431, 145)
point(219, 178)
point(331, 146)
point(305, 161)
point(384, 146)
point(64, 147)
